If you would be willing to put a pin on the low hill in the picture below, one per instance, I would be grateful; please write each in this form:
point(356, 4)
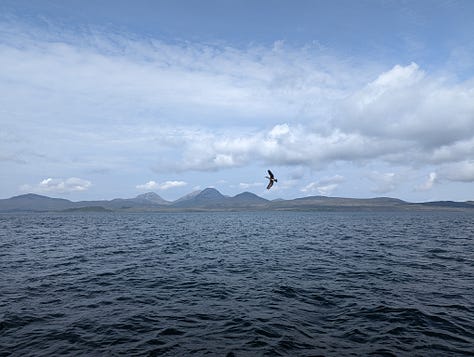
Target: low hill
point(333, 203)
point(33, 202)
point(247, 198)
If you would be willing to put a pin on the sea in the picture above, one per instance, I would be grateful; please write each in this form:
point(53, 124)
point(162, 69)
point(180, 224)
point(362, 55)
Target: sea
point(237, 284)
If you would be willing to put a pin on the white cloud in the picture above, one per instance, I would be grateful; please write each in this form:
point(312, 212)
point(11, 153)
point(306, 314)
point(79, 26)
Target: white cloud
point(279, 131)
point(58, 185)
point(404, 117)
point(451, 153)
point(319, 109)
point(172, 184)
point(428, 184)
point(397, 77)
point(316, 187)
point(150, 185)
point(296, 145)
point(115, 77)
point(153, 185)
point(324, 186)
point(405, 103)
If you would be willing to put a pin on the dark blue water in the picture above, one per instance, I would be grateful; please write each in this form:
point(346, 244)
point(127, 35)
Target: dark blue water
point(237, 284)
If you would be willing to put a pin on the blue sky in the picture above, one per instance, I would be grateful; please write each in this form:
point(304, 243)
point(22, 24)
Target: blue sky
point(344, 98)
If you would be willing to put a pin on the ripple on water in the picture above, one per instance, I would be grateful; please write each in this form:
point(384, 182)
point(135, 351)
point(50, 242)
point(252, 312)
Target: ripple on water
point(237, 284)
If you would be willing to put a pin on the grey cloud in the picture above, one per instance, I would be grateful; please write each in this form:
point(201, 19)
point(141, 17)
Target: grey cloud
point(459, 171)
point(459, 150)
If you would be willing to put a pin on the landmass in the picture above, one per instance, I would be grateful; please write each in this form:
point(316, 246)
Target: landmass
point(211, 199)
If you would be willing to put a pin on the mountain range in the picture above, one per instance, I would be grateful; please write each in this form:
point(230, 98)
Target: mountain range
point(211, 199)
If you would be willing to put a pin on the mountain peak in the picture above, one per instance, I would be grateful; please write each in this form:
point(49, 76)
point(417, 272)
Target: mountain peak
point(151, 197)
point(188, 196)
point(209, 194)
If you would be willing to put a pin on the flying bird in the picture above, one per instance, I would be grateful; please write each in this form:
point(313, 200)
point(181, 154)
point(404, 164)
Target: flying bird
point(271, 178)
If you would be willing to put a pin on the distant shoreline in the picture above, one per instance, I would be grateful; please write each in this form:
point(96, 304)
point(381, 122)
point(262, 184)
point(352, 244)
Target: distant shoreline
point(211, 200)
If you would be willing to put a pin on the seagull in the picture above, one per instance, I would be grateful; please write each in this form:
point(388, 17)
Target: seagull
point(271, 178)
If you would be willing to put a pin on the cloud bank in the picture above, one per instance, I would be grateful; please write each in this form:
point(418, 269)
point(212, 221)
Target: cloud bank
point(96, 99)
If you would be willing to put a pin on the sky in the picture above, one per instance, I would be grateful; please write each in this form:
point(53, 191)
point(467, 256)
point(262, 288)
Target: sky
point(107, 99)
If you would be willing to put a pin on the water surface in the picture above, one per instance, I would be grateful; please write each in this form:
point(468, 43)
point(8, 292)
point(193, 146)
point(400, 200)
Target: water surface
point(242, 284)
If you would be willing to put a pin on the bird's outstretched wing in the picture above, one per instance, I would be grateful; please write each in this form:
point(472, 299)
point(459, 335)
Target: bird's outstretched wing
point(271, 174)
point(270, 184)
